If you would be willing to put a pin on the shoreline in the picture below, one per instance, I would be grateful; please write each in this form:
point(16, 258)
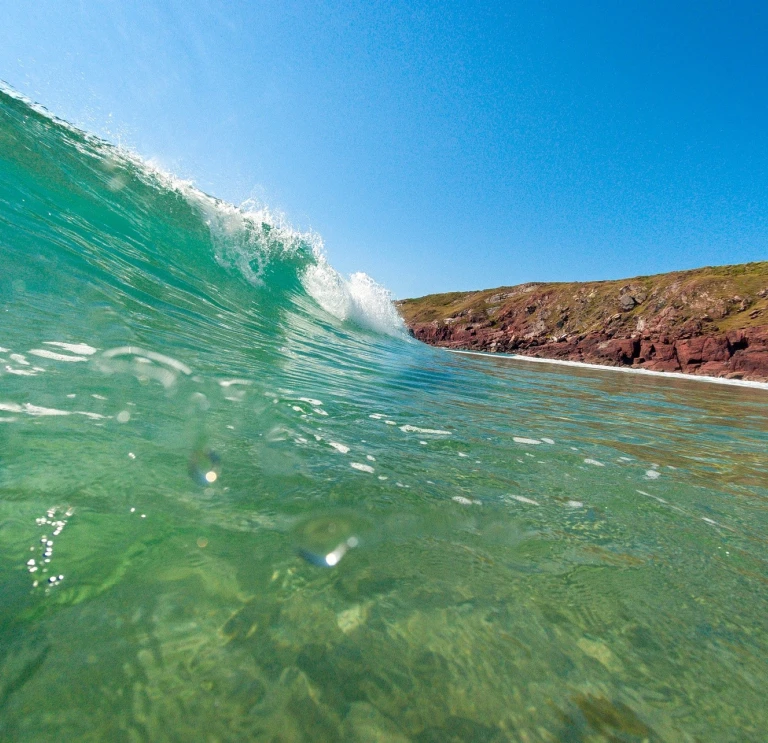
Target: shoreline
point(710, 321)
point(626, 369)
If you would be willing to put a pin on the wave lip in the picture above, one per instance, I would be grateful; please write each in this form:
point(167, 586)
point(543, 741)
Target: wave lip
point(358, 298)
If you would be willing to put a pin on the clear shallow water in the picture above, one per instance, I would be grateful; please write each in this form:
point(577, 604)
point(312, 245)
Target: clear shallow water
point(539, 553)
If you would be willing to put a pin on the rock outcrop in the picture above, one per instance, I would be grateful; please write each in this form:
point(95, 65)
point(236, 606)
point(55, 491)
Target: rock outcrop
point(711, 321)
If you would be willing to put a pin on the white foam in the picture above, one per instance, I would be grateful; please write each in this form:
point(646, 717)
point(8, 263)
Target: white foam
point(229, 382)
point(21, 372)
point(593, 462)
point(461, 499)
point(46, 354)
point(416, 429)
point(38, 411)
point(81, 349)
point(523, 499)
point(140, 363)
point(339, 447)
point(357, 298)
point(248, 236)
point(152, 355)
point(361, 467)
point(523, 440)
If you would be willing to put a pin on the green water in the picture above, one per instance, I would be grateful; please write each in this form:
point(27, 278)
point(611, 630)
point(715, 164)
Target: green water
point(520, 552)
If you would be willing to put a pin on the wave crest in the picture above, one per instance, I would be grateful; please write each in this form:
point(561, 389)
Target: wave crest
point(358, 298)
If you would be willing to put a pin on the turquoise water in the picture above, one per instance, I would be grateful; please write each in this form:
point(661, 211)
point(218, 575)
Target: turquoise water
point(238, 502)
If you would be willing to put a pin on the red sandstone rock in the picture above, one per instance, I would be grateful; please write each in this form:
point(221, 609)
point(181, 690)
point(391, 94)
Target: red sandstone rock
point(646, 350)
point(689, 351)
point(735, 338)
point(715, 348)
point(618, 350)
point(757, 338)
point(752, 363)
point(668, 365)
point(712, 369)
point(665, 351)
point(701, 349)
point(737, 354)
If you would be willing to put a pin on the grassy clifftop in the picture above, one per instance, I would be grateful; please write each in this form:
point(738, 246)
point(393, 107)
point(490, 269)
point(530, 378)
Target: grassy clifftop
point(711, 299)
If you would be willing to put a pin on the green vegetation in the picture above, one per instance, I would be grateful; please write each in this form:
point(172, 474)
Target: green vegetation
point(714, 298)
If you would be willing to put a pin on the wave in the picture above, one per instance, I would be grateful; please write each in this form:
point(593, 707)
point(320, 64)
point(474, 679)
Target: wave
point(111, 207)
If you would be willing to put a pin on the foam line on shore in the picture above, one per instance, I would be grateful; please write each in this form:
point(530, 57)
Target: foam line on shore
point(628, 369)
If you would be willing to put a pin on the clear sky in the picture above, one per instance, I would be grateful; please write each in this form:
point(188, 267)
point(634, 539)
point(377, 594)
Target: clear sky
point(437, 146)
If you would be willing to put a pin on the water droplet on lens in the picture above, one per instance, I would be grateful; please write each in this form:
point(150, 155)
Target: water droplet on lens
point(205, 467)
point(323, 541)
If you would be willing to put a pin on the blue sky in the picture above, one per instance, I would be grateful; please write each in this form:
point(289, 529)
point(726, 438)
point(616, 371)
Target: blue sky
point(437, 146)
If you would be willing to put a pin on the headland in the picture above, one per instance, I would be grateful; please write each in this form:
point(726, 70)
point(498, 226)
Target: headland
point(709, 321)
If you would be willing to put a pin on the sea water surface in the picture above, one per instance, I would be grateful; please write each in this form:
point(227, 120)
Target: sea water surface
point(238, 502)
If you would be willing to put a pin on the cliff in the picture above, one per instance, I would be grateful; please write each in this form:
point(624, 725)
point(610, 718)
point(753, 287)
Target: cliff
point(711, 321)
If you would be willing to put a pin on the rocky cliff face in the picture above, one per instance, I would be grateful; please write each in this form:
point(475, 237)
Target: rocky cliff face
point(711, 321)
